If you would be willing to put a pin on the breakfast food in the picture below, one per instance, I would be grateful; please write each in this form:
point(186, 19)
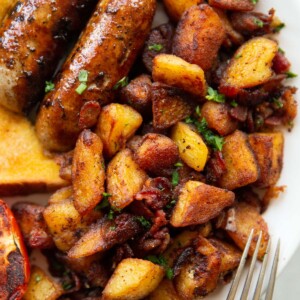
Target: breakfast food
point(173, 153)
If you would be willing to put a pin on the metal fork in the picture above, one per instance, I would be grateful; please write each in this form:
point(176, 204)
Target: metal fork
point(258, 289)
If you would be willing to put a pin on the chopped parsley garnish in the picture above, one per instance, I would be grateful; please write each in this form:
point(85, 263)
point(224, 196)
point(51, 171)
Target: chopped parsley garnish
point(145, 223)
point(175, 178)
point(112, 228)
point(291, 74)
point(198, 111)
point(111, 215)
point(238, 56)
point(278, 103)
point(156, 47)
point(189, 120)
point(83, 78)
point(213, 95)
point(81, 88)
point(38, 278)
point(121, 83)
point(160, 260)
point(178, 164)
point(104, 203)
point(280, 50)
point(171, 204)
point(67, 286)
point(259, 22)
point(254, 1)
point(279, 27)
point(49, 87)
point(233, 104)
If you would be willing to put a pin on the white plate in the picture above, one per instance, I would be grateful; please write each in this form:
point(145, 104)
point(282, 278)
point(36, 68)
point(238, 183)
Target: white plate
point(283, 215)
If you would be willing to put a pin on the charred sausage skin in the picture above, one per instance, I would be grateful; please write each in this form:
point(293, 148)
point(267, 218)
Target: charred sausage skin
point(33, 39)
point(107, 49)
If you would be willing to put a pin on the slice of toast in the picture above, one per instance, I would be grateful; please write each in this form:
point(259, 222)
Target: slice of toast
point(24, 169)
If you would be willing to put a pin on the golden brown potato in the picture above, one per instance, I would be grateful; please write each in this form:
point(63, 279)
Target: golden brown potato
point(218, 117)
point(240, 221)
point(124, 179)
point(174, 71)
point(116, 124)
point(268, 148)
point(192, 150)
point(41, 286)
point(133, 279)
point(5, 7)
point(175, 8)
point(156, 153)
point(239, 5)
point(165, 291)
point(198, 203)
point(168, 106)
point(88, 172)
point(199, 36)
point(241, 165)
point(251, 64)
point(65, 223)
point(61, 195)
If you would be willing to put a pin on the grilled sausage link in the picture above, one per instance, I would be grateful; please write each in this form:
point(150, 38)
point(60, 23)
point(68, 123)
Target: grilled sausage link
point(106, 50)
point(32, 41)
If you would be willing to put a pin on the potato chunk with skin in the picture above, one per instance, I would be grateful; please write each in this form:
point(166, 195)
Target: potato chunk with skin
point(88, 173)
point(41, 286)
point(240, 221)
point(61, 195)
point(165, 291)
point(156, 152)
point(241, 165)
point(175, 8)
point(198, 203)
point(199, 36)
point(251, 65)
point(268, 148)
point(116, 124)
point(192, 150)
point(174, 71)
point(133, 279)
point(124, 179)
point(218, 117)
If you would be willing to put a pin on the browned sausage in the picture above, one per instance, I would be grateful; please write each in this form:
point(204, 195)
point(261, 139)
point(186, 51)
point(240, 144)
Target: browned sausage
point(107, 50)
point(32, 41)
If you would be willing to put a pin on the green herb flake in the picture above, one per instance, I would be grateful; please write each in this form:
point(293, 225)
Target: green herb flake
point(259, 22)
point(103, 204)
point(49, 86)
point(189, 120)
point(67, 286)
point(160, 260)
point(175, 178)
point(111, 215)
point(169, 273)
point(213, 95)
point(233, 104)
point(278, 103)
point(280, 50)
point(178, 164)
point(279, 27)
point(238, 56)
point(83, 76)
point(198, 111)
point(171, 204)
point(112, 228)
point(81, 88)
point(291, 74)
point(254, 1)
point(121, 83)
point(145, 223)
point(156, 47)
point(38, 278)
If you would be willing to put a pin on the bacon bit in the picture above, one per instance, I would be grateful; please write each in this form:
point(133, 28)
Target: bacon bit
point(216, 167)
point(280, 63)
point(239, 113)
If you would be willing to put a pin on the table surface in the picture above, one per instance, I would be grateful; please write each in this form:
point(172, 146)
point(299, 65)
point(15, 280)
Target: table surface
point(288, 281)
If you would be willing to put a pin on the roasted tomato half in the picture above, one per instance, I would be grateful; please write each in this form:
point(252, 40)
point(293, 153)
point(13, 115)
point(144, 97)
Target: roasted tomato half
point(14, 262)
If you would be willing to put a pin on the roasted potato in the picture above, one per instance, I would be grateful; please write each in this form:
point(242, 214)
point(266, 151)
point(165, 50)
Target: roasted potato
point(164, 291)
point(117, 123)
point(156, 152)
point(41, 286)
point(192, 150)
point(199, 36)
point(174, 71)
point(268, 148)
point(218, 117)
point(198, 203)
point(5, 7)
point(175, 8)
point(250, 66)
point(124, 179)
point(133, 279)
point(241, 165)
point(61, 195)
point(240, 221)
point(88, 172)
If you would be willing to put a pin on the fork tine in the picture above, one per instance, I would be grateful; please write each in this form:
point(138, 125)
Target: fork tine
point(271, 284)
point(239, 271)
point(262, 273)
point(251, 269)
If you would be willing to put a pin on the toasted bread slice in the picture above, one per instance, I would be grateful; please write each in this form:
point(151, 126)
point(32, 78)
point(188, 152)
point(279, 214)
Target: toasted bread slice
point(24, 168)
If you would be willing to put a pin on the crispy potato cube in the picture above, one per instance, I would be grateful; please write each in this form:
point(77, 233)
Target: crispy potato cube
point(175, 8)
point(65, 223)
point(88, 172)
point(165, 291)
point(218, 117)
point(133, 279)
point(174, 71)
point(241, 165)
point(116, 124)
point(192, 150)
point(199, 36)
point(238, 5)
point(268, 148)
point(61, 195)
point(156, 152)
point(251, 65)
point(199, 203)
point(240, 221)
point(41, 286)
point(168, 106)
point(124, 179)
